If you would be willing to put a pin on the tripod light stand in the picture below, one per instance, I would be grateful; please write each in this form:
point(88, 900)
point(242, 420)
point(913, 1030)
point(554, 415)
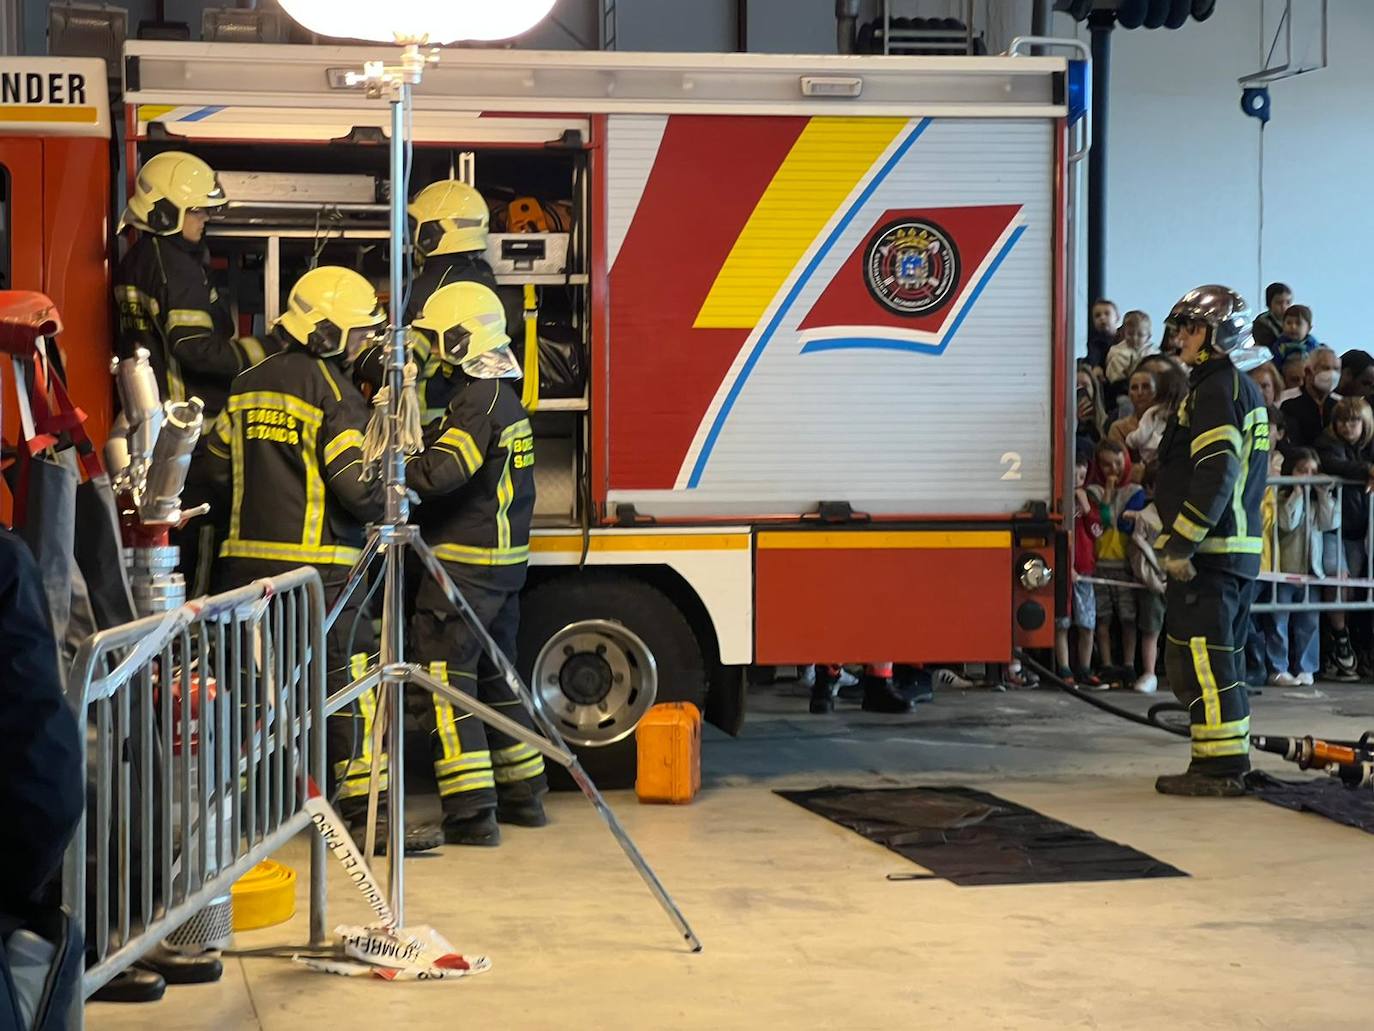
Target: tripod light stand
point(389, 539)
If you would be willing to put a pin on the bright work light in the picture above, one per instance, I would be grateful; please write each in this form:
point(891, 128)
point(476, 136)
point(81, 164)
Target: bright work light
point(428, 21)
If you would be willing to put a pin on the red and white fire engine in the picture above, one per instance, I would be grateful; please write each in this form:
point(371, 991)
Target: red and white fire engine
point(820, 304)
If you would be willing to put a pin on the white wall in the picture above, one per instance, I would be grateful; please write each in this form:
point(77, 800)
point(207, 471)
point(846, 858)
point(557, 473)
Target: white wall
point(1183, 178)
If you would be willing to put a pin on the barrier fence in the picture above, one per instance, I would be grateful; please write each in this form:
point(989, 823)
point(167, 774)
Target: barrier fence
point(1325, 525)
point(1337, 571)
point(203, 727)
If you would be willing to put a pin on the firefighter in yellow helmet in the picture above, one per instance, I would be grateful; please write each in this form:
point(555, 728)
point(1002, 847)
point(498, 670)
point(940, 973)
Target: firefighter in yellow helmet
point(289, 444)
point(476, 483)
point(166, 304)
point(448, 225)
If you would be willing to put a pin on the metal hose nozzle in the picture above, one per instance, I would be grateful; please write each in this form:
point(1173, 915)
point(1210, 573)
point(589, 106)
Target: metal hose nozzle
point(160, 502)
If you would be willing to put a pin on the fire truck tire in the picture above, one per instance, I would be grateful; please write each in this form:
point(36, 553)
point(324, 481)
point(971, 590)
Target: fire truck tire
point(589, 645)
point(726, 702)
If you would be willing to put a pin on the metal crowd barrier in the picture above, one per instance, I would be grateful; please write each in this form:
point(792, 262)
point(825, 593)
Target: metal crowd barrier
point(1339, 588)
point(203, 725)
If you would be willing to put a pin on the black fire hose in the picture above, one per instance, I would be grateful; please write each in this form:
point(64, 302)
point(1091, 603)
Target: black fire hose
point(1150, 719)
point(1351, 761)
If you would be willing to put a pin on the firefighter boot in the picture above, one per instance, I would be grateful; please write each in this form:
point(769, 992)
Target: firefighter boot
point(420, 837)
point(1203, 783)
point(824, 687)
point(479, 829)
point(881, 696)
point(521, 804)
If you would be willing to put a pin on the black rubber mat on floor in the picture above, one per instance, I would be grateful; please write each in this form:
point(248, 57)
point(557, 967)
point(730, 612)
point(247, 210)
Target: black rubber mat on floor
point(1321, 795)
point(970, 837)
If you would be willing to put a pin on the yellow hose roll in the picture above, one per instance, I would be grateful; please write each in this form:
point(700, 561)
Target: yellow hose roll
point(264, 896)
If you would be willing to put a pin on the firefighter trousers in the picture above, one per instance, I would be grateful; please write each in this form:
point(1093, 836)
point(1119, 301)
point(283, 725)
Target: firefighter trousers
point(1206, 623)
point(474, 764)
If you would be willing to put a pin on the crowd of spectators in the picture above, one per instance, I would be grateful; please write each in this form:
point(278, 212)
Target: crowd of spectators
point(1322, 430)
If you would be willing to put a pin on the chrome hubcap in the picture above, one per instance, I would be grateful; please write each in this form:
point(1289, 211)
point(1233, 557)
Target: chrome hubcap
point(595, 679)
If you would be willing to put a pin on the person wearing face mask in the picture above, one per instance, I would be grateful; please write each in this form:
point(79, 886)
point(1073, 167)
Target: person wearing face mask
point(1213, 465)
point(289, 443)
point(1309, 413)
point(165, 303)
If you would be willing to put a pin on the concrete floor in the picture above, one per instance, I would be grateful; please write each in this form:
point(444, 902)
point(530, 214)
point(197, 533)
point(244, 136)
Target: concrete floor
point(801, 929)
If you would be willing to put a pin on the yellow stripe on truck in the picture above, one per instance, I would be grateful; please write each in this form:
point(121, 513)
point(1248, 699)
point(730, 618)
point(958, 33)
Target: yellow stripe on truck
point(896, 540)
point(47, 113)
point(644, 542)
point(830, 158)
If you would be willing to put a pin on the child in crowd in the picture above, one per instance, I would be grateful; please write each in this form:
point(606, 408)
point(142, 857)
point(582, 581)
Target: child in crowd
point(1305, 515)
point(1103, 323)
point(1133, 344)
point(1297, 333)
point(1261, 624)
point(1269, 326)
point(1171, 388)
point(1087, 527)
point(1112, 491)
point(1346, 450)
point(1146, 526)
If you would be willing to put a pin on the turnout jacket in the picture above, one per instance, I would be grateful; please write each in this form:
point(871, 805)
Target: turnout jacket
point(288, 446)
point(1213, 464)
point(165, 303)
point(475, 480)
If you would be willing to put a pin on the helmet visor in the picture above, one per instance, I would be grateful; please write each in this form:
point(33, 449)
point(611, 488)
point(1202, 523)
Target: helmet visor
point(454, 345)
point(426, 235)
point(357, 338)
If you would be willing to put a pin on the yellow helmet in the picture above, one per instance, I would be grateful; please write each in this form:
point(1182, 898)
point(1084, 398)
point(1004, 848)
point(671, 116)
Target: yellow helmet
point(168, 185)
point(331, 311)
point(448, 217)
point(462, 321)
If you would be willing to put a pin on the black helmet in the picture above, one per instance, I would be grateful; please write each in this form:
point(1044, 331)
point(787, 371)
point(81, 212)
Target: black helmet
point(1221, 309)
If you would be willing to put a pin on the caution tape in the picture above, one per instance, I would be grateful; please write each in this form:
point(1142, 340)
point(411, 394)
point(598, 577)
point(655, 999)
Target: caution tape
point(382, 950)
point(340, 844)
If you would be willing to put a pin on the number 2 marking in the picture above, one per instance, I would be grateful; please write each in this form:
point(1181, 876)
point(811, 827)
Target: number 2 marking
point(1012, 461)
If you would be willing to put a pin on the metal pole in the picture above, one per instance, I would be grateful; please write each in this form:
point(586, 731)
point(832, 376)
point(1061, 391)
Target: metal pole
point(1040, 21)
point(1100, 25)
point(397, 514)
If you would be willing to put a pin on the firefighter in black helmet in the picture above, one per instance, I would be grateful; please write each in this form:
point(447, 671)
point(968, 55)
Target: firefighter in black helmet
point(289, 444)
point(166, 304)
point(476, 483)
point(1214, 460)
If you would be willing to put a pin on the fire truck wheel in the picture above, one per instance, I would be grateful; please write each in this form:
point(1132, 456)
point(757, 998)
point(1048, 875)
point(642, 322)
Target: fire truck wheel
point(726, 703)
point(598, 649)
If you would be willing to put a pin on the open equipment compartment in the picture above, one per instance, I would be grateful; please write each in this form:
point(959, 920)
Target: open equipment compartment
point(298, 203)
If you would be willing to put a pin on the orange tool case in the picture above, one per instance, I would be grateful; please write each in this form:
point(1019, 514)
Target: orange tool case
point(669, 743)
